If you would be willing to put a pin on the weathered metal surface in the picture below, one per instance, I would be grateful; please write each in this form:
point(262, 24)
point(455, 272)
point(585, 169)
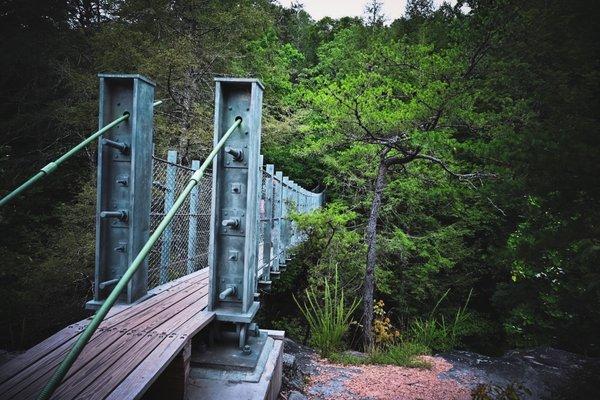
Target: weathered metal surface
point(124, 182)
point(232, 248)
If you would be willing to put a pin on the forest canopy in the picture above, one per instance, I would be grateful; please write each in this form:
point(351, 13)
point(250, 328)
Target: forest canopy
point(458, 147)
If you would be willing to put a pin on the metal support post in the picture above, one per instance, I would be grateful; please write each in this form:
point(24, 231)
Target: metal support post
point(234, 217)
point(277, 221)
point(260, 256)
point(124, 184)
point(268, 222)
point(285, 222)
point(193, 224)
point(293, 208)
point(167, 238)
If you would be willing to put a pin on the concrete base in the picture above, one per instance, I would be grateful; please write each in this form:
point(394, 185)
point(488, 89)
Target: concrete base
point(265, 386)
point(233, 314)
point(224, 360)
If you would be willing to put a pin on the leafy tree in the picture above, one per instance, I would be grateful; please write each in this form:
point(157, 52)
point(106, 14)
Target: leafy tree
point(393, 103)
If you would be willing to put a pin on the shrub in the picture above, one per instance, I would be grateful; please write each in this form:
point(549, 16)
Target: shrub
point(383, 330)
point(329, 318)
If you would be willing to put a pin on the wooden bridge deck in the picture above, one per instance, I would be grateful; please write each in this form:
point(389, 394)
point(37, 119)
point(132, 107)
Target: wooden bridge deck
point(132, 347)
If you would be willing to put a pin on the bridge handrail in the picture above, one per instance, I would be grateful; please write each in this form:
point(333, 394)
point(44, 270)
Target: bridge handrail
point(53, 165)
point(86, 335)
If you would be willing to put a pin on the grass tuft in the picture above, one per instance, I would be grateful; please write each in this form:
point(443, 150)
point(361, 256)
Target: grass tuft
point(328, 316)
point(403, 354)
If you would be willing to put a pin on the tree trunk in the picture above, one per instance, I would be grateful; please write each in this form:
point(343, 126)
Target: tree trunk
point(371, 238)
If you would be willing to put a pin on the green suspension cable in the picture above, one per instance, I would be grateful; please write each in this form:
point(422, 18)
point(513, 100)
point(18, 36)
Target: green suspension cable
point(48, 169)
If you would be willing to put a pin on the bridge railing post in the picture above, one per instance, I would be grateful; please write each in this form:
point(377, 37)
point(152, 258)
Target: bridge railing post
point(169, 199)
point(268, 223)
point(293, 209)
point(285, 229)
point(193, 224)
point(277, 220)
point(260, 255)
point(124, 184)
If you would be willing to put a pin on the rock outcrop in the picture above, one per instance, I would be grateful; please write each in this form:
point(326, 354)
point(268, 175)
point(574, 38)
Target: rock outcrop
point(534, 374)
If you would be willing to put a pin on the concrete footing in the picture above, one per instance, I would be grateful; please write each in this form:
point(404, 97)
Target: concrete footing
point(263, 387)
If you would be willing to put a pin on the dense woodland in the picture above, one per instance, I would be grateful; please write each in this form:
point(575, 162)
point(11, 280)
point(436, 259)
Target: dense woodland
point(458, 147)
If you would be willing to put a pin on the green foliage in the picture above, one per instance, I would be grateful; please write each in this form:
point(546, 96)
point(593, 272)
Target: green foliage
point(328, 315)
point(402, 354)
point(333, 241)
point(438, 333)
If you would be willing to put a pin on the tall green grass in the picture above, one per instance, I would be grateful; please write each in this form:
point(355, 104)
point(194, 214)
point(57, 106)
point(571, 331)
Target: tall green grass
point(439, 333)
point(402, 354)
point(327, 315)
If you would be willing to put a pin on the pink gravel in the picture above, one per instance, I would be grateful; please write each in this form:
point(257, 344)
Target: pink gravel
point(386, 382)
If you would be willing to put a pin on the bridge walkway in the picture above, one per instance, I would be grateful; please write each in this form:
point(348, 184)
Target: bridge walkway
point(129, 351)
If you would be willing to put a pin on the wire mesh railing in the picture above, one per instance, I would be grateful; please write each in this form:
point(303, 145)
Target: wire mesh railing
point(183, 247)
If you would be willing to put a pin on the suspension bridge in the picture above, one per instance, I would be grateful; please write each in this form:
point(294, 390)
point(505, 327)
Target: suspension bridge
point(182, 255)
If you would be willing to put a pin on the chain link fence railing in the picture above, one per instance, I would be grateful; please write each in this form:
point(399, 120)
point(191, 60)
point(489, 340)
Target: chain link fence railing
point(183, 246)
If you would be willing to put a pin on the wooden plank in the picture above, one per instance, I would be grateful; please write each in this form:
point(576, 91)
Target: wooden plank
point(172, 382)
point(178, 333)
point(131, 348)
point(51, 360)
point(195, 275)
point(152, 302)
point(134, 386)
point(41, 367)
point(40, 350)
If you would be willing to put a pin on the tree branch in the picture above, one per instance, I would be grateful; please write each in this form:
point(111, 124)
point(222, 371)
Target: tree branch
point(474, 175)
